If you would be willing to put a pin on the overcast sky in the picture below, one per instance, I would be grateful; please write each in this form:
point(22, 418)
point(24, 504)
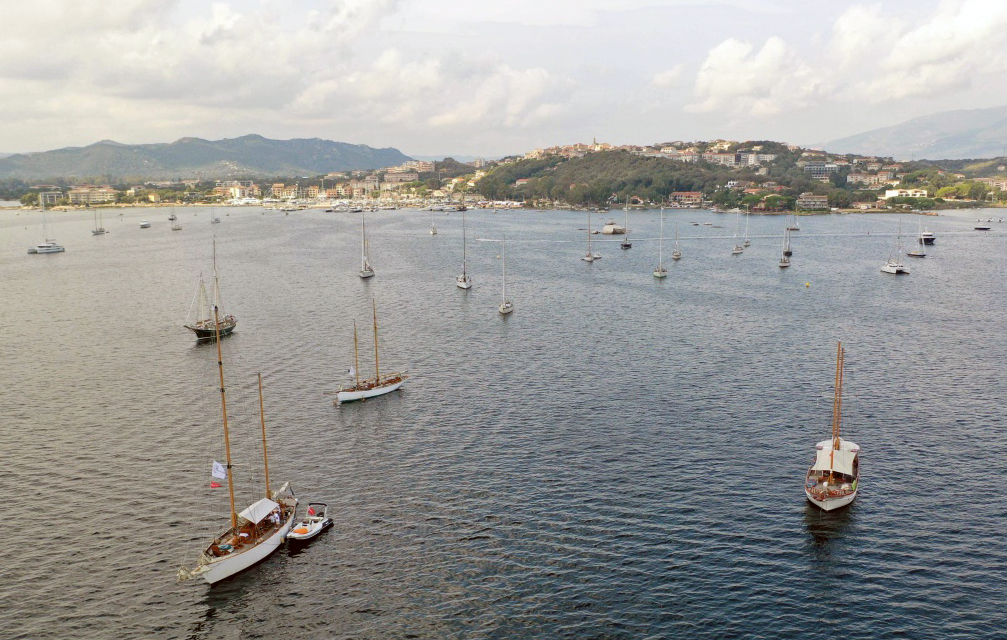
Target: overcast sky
point(433, 77)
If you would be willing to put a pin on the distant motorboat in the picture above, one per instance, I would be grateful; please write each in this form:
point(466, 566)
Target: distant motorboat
point(144, 224)
point(927, 236)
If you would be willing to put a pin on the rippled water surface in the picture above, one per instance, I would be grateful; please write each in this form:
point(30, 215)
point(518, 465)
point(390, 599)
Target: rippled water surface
point(622, 457)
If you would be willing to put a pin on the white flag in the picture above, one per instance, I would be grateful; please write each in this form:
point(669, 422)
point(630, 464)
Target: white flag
point(218, 471)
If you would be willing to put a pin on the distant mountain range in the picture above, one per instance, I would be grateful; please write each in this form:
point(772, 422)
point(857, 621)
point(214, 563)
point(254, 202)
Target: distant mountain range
point(960, 134)
point(251, 156)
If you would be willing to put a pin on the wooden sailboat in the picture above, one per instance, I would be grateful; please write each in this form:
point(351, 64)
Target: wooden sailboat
point(365, 266)
point(463, 281)
point(661, 272)
point(832, 481)
point(505, 305)
point(205, 323)
point(369, 387)
point(258, 530)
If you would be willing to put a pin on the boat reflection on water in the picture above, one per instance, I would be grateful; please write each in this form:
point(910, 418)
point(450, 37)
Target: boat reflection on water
point(827, 530)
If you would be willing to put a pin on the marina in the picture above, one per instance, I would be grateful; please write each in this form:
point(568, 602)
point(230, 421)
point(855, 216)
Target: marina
point(477, 501)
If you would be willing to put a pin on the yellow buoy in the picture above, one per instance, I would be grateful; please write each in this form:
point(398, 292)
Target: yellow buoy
point(807, 284)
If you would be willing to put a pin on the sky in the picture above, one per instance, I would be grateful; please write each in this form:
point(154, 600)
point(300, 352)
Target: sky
point(442, 77)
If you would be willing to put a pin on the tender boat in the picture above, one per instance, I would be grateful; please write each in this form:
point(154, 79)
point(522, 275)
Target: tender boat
point(832, 481)
point(312, 524)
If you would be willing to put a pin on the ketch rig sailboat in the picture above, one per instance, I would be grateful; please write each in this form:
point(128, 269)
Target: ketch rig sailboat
point(258, 530)
point(206, 325)
point(368, 387)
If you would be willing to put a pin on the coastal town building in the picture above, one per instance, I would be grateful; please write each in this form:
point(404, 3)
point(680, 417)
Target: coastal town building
point(905, 193)
point(91, 194)
point(686, 198)
point(810, 202)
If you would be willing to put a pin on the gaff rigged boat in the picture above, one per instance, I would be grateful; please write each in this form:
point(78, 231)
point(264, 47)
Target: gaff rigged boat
point(833, 479)
point(258, 530)
point(369, 387)
point(205, 324)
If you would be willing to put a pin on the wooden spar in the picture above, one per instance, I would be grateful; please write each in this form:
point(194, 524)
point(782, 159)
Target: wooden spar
point(262, 419)
point(837, 402)
point(356, 359)
point(223, 404)
point(377, 372)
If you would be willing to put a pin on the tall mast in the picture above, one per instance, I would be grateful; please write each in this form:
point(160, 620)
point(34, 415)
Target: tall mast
point(262, 418)
point(837, 402)
point(216, 283)
point(660, 242)
point(223, 405)
point(377, 372)
point(363, 242)
point(503, 255)
point(589, 232)
point(356, 359)
point(463, 244)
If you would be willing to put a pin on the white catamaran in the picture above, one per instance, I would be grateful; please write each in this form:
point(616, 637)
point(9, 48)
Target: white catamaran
point(50, 245)
point(832, 480)
point(255, 532)
point(368, 387)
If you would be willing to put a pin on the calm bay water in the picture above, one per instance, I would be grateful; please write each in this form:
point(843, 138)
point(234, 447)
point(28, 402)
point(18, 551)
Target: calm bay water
point(621, 458)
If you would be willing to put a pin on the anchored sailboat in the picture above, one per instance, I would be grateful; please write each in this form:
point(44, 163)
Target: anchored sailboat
point(785, 259)
point(677, 253)
point(464, 281)
point(365, 266)
point(368, 387)
point(661, 272)
point(505, 305)
point(255, 532)
point(832, 480)
point(50, 245)
point(99, 224)
point(205, 323)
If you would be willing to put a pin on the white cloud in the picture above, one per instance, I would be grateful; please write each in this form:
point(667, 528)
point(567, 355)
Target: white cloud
point(668, 79)
point(737, 79)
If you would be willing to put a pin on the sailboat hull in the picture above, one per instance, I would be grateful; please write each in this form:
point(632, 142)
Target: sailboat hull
point(830, 504)
point(221, 568)
point(206, 330)
point(463, 282)
point(363, 394)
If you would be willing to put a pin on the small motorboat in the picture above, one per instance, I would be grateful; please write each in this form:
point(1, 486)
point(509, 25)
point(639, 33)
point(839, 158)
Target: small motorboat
point(312, 524)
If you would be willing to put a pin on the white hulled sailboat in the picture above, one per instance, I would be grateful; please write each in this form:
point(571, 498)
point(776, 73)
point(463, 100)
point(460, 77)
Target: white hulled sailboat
point(366, 271)
point(661, 272)
point(259, 529)
point(369, 387)
point(505, 306)
point(832, 481)
point(463, 281)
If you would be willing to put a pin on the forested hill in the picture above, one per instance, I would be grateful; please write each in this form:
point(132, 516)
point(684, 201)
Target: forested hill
point(597, 178)
point(248, 156)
